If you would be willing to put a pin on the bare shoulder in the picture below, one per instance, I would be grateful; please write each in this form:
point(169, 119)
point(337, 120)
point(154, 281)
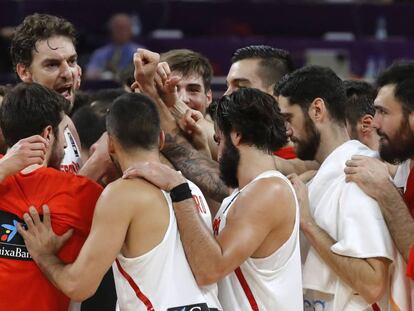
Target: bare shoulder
point(269, 188)
point(130, 192)
point(267, 195)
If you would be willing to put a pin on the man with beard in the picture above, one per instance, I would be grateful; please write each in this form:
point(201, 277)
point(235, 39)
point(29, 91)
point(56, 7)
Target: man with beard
point(394, 122)
point(43, 51)
point(31, 109)
point(178, 150)
point(134, 225)
point(348, 262)
point(254, 253)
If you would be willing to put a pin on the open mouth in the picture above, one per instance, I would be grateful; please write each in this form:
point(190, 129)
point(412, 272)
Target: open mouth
point(65, 91)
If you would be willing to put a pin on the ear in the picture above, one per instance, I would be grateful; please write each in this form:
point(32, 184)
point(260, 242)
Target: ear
point(235, 138)
point(24, 73)
point(317, 110)
point(161, 140)
point(47, 133)
point(209, 95)
point(411, 120)
point(366, 124)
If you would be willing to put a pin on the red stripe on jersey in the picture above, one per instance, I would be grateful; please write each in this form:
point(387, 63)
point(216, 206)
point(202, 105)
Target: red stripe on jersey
point(246, 289)
point(375, 307)
point(135, 287)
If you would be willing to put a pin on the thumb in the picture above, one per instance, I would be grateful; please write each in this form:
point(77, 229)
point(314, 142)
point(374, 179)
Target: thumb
point(171, 83)
point(64, 237)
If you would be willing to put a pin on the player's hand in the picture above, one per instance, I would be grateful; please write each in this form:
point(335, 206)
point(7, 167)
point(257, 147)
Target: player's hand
point(166, 84)
point(25, 152)
point(145, 63)
point(39, 237)
point(192, 125)
point(156, 173)
point(370, 174)
point(301, 191)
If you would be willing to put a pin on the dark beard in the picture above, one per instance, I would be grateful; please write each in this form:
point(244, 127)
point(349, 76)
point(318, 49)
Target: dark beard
point(306, 149)
point(400, 147)
point(56, 157)
point(229, 163)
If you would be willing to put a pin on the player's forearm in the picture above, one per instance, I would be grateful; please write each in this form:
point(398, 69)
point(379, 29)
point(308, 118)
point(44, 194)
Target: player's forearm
point(398, 218)
point(93, 169)
point(203, 252)
point(364, 278)
point(201, 170)
point(3, 172)
point(295, 166)
point(65, 278)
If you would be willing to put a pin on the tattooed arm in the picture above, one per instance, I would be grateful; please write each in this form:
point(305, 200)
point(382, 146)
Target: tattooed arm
point(197, 167)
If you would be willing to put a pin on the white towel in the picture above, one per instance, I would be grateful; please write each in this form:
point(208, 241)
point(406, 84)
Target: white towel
point(355, 221)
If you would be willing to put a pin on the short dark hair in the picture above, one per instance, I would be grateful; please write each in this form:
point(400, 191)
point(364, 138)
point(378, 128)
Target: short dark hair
point(27, 109)
point(274, 63)
point(134, 121)
point(90, 123)
point(402, 75)
point(37, 27)
point(302, 86)
point(360, 100)
point(188, 62)
point(256, 115)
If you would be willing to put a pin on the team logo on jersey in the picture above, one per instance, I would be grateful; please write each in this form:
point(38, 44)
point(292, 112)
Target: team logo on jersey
point(11, 243)
point(196, 307)
point(216, 225)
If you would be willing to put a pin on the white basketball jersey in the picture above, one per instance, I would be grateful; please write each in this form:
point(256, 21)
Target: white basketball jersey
point(162, 279)
point(271, 283)
point(71, 162)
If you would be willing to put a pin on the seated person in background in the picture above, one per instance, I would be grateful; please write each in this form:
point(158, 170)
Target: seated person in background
point(31, 109)
point(107, 61)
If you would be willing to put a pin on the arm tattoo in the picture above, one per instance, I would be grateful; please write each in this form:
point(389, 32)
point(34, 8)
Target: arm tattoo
point(197, 167)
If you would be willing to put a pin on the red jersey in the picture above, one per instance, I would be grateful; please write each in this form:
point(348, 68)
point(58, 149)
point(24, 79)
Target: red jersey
point(71, 200)
point(286, 153)
point(409, 200)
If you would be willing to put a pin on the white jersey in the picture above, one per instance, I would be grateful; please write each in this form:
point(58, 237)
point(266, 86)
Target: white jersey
point(162, 279)
point(271, 283)
point(71, 162)
point(401, 176)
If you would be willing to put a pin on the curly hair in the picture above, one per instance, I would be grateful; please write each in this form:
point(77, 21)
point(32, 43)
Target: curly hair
point(256, 115)
point(37, 27)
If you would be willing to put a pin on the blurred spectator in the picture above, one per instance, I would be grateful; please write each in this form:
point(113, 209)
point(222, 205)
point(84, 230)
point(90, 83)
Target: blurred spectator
point(108, 60)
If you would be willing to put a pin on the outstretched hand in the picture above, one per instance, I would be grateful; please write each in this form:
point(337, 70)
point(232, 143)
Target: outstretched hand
point(39, 237)
point(156, 173)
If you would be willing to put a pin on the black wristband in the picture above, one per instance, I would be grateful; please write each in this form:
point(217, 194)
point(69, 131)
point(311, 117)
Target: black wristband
point(181, 192)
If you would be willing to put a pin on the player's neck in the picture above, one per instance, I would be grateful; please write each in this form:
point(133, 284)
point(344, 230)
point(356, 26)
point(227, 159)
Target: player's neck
point(246, 172)
point(128, 159)
point(331, 139)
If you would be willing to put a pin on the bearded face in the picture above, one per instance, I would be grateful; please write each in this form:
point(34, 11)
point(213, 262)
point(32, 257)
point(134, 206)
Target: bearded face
point(229, 163)
point(307, 147)
point(400, 146)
